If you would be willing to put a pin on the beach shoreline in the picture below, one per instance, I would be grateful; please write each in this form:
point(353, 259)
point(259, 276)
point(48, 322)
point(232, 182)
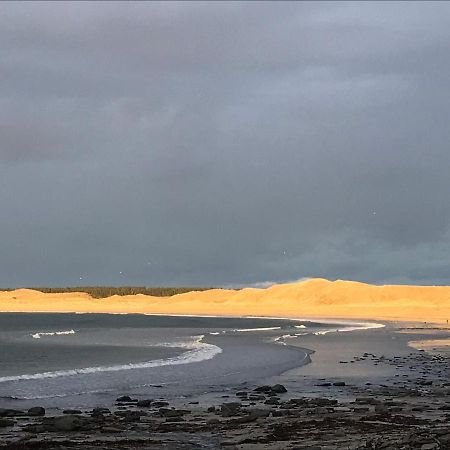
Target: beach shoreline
point(353, 378)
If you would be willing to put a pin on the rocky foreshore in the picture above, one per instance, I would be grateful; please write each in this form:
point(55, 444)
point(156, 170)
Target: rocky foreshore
point(410, 412)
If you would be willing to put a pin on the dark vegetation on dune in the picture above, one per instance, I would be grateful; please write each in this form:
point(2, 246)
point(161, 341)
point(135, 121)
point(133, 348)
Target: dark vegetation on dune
point(107, 291)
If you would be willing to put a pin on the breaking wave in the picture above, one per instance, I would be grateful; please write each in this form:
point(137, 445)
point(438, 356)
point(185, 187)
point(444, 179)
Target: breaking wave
point(196, 351)
point(51, 333)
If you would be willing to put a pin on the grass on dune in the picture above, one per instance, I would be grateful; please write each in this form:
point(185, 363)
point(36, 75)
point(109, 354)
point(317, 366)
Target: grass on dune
point(108, 291)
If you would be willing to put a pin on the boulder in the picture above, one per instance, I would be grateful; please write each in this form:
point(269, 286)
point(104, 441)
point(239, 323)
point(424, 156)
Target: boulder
point(264, 389)
point(36, 411)
point(67, 423)
point(165, 412)
point(125, 399)
point(130, 416)
point(278, 389)
point(5, 412)
point(72, 411)
point(6, 423)
point(34, 428)
point(146, 403)
point(256, 398)
point(160, 404)
point(175, 419)
point(99, 412)
point(260, 412)
point(230, 409)
point(322, 402)
point(212, 421)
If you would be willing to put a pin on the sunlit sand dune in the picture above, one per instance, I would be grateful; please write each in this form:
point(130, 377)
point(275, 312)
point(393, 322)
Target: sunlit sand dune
point(314, 298)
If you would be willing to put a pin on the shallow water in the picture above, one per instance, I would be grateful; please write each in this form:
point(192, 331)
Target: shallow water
point(85, 359)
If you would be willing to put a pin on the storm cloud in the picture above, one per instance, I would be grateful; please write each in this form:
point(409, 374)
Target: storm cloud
point(224, 143)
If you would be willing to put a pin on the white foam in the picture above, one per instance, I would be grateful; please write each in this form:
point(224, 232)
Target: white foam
point(351, 326)
point(51, 333)
point(256, 329)
point(321, 333)
point(196, 351)
point(281, 339)
point(300, 326)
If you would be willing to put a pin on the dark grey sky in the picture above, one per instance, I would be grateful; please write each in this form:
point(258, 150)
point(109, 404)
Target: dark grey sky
point(224, 143)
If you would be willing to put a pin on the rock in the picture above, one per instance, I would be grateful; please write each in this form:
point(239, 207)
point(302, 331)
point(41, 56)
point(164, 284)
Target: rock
point(126, 399)
point(308, 447)
point(381, 409)
point(164, 412)
point(213, 421)
point(360, 408)
point(339, 383)
point(445, 439)
point(6, 423)
point(278, 389)
point(72, 411)
point(419, 408)
point(67, 423)
point(260, 412)
point(160, 404)
point(175, 419)
point(100, 412)
point(144, 403)
point(32, 428)
point(321, 402)
point(4, 412)
point(266, 389)
point(366, 401)
point(245, 419)
point(256, 397)
point(211, 409)
point(130, 416)
point(36, 411)
point(110, 429)
point(271, 390)
point(230, 409)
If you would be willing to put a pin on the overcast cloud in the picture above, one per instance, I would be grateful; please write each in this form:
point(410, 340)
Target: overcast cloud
point(224, 143)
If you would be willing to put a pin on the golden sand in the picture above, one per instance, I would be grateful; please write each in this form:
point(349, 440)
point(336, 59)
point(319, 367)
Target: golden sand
point(315, 298)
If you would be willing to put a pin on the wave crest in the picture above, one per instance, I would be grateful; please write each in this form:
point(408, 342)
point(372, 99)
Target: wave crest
point(197, 351)
point(51, 333)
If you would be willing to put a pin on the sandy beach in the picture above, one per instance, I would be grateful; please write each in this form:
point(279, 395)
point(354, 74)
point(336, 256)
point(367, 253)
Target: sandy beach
point(314, 298)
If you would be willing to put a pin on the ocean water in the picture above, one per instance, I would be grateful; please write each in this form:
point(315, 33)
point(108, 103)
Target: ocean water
point(83, 360)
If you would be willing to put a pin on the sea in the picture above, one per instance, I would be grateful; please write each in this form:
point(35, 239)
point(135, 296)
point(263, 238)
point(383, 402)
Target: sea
point(85, 360)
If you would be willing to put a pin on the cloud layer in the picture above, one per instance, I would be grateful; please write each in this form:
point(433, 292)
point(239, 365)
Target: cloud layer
point(224, 143)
